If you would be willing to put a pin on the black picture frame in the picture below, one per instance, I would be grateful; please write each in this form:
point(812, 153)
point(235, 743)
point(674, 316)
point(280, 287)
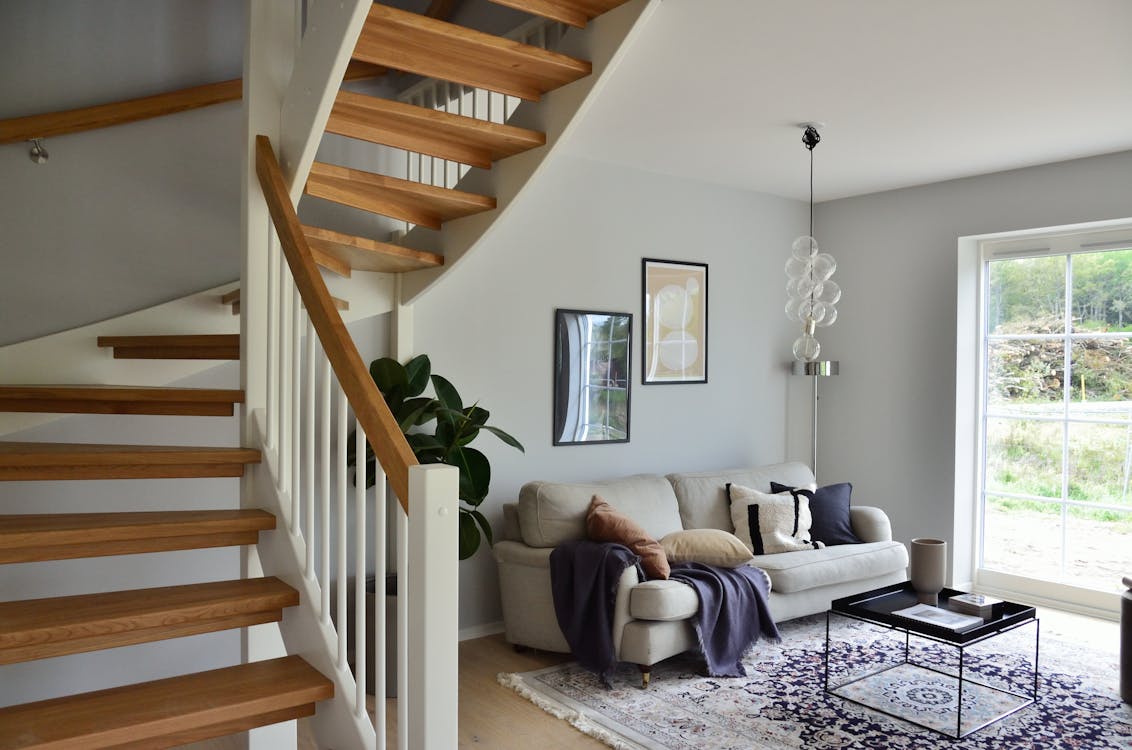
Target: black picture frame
point(674, 322)
point(592, 393)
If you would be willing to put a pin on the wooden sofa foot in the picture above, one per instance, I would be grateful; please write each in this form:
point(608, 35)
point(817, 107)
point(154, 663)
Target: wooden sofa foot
point(646, 674)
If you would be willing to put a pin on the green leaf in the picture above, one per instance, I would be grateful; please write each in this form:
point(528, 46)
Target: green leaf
point(477, 415)
point(417, 372)
point(390, 378)
point(447, 393)
point(469, 535)
point(415, 411)
point(423, 441)
point(475, 473)
point(485, 526)
point(504, 437)
point(446, 433)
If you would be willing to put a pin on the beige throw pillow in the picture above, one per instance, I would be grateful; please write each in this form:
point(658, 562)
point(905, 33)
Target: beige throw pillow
point(604, 523)
point(769, 524)
point(707, 546)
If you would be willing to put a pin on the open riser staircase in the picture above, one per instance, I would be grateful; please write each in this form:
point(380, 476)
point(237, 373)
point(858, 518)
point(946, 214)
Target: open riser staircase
point(311, 531)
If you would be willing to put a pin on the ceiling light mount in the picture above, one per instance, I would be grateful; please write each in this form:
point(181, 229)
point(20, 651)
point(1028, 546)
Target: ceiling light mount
point(810, 135)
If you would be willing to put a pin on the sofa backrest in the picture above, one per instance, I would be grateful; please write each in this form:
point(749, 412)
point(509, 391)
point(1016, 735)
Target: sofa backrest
point(554, 512)
point(702, 496)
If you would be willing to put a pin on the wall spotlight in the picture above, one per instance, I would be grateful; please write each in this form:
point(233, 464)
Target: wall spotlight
point(38, 153)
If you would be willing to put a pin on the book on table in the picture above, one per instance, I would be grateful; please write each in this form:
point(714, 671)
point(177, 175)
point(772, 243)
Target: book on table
point(944, 618)
point(974, 604)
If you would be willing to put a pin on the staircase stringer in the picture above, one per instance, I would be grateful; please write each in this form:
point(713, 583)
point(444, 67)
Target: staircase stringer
point(332, 31)
point(605, 42)
point(303, 631)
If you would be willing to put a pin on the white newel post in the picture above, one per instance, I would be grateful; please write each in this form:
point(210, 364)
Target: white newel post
point(269, 53)
point(433, 594)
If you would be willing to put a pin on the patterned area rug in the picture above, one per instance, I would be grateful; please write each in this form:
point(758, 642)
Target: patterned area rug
point(781, 702)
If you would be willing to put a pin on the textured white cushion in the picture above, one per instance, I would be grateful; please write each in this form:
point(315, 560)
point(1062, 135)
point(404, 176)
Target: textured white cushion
point(702, 495)
point(769, 524)
point(551, 513)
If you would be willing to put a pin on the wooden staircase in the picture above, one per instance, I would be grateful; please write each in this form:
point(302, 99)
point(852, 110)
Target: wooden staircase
point(192, 707)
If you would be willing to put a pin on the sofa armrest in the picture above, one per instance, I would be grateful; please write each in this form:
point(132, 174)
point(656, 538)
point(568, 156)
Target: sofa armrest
point(511, 530)
point(621, 616)
point(870, 524)
point(516, 553)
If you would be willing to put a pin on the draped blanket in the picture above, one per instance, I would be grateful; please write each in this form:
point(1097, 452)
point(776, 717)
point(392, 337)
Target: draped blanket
point(732, 616)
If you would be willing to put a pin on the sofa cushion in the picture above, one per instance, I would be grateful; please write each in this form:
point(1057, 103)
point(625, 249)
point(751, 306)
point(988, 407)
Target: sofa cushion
point(554, 512)
point(707, 546)
point(663, 600)
point(829, 508)
point(768, 523)
point(807, 569)
point(605, 524)
point(702, 496)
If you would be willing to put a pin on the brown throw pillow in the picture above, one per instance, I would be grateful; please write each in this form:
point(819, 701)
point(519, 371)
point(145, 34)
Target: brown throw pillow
point(604, 523)
point(707, 546)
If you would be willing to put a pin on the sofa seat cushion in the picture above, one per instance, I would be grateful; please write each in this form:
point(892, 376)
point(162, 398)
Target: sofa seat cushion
point(808, 569)
point(551, 513)
point(663, 600)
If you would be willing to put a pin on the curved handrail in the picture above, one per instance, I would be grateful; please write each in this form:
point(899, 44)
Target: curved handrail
point(382, 430)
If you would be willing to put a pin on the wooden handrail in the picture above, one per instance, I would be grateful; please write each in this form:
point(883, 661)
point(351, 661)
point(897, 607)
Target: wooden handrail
point(52, 124)
point(373, 414)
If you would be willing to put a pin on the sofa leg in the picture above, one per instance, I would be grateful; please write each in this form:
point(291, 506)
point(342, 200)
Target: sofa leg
point(646, 673)
point(519, 648)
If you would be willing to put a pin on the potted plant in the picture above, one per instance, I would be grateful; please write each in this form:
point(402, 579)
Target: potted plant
point(456, 426)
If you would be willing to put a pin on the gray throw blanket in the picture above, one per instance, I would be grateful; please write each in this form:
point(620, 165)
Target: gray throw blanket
point(732, 616)
point(733, 613)
point(583, 581)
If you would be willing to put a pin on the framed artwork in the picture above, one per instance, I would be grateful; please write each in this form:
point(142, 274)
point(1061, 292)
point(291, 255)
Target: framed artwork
point(674, 309)
point(591, 377)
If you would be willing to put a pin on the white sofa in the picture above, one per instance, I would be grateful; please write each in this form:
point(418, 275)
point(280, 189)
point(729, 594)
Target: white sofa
point(651, 618)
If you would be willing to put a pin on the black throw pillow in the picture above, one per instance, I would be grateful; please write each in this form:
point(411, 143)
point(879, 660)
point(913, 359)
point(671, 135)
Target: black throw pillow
point(829, 507)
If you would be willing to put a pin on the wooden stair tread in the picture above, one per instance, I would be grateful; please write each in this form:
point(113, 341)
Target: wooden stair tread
point(111, 399)
point(43, 628)
point(233, 298)
point(191, 346)
point(426, 205)
point(59, 536)
point(428, 131)
point(436, 49)
point(364, 254)
point(572, 12)
point(36, 461)
point(175, 708)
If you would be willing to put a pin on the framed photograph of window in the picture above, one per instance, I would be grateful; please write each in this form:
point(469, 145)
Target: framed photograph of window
point(674, 308)
point(591, 377)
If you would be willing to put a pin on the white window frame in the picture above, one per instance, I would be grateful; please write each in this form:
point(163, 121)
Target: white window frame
point(970, 406)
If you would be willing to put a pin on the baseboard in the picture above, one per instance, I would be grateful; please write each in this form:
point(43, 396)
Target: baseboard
point(479, 631)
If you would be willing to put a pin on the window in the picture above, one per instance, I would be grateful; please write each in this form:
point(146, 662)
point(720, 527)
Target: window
point(1055, 426)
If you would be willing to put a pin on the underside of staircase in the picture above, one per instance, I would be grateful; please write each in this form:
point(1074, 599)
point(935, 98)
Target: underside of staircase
point(192, 707)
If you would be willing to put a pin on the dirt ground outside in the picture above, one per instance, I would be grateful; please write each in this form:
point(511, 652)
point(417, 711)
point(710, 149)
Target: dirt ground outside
point(1028, 543)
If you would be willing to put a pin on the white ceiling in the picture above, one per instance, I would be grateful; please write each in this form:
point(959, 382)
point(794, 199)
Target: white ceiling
point(910, 91)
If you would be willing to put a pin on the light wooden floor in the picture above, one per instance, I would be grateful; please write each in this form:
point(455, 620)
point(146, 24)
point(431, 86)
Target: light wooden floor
point(491, 716)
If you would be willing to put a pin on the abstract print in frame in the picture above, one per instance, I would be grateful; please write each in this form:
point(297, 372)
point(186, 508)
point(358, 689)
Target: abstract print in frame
point(674, 317)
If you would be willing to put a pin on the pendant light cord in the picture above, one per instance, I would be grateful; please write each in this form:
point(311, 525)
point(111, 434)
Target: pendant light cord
point(811, 192)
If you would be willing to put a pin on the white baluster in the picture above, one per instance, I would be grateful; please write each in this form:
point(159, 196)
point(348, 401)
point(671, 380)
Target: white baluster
point(284, 383)
point(271, 426)
point(309, 448)
point(403, 596)
point(296, 405)
point(380, 665)
point(324, 494)
point(360, 656)
point(341, 537)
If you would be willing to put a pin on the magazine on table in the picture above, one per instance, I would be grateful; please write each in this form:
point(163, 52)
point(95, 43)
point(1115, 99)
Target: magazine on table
point(944, 618)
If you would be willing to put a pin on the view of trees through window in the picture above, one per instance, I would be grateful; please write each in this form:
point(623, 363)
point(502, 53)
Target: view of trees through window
point(1058, 418)
point(606, 389)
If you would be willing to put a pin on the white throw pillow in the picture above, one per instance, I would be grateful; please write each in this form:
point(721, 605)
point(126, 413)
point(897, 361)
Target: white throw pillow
point(769, 524)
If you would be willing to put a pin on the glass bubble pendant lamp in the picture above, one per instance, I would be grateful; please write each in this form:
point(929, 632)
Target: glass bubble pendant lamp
point(811, 297)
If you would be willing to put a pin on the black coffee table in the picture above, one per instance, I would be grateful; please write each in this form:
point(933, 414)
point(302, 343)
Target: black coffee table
point(876, 607)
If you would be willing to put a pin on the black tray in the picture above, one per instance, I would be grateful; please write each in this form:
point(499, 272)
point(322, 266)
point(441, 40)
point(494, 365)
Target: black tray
point(879, 604)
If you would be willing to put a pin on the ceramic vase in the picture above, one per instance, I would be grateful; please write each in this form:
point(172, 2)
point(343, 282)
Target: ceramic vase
point(928, 568)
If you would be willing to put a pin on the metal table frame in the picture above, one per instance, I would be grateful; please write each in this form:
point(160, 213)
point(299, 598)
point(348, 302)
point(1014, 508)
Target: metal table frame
point(1028, 700)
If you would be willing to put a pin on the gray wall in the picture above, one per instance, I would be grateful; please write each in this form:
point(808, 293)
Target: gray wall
point(888, 421)
point(575, 239)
